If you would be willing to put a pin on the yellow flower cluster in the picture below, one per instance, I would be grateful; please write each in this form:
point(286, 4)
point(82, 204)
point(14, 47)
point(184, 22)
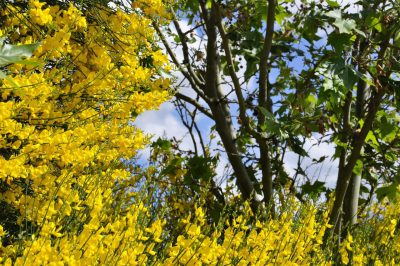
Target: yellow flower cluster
point(261, 243)
point(66, 128)
point(295, 237)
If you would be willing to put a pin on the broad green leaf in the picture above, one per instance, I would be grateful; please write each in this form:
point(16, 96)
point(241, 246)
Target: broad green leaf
point(374, 21)
point(10, 54)
point(316, 188)
point(345, 25)
point(251, 67)
point(349, 77)
point(387, 129)
point(297, 147)
point(310, 29)
point(172, 167)
point(268, 115)
point(372, 139)
point(337, 14)
point(340, 41)
point(162, 144)
point(200, 167)
point(332, 3)
point(311, 101)
point(280, 15)
point(391, 192)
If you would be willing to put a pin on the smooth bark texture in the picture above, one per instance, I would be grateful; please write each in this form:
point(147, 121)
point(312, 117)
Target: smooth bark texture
point(345, 175)
point(350, 205)
point(264, 100)
point(220, 109)
point(343, 151)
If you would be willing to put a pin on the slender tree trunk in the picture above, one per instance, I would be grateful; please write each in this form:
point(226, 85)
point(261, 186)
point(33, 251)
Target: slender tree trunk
point(343, 151)
point(350, 206)
point(221, 112)
point(377, 93)
point(264, 101)
point(346, 173)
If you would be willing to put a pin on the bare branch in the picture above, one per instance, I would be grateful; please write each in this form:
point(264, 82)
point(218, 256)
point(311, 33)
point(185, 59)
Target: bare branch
point(234, 77)
point(186, 74)
point(185, 49)
point(195, 103)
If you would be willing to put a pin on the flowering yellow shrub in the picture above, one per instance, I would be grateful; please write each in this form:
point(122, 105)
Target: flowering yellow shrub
point(65, 129)
point(295, 237)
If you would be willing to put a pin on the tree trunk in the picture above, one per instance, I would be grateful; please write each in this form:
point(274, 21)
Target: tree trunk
point(350, 207)
point(221, 113)
point(345, 175)
point(264, 101)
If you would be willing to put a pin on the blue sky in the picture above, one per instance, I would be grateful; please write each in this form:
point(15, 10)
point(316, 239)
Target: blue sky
point(166, 122)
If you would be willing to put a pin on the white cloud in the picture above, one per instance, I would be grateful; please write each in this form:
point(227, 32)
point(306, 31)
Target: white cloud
point(163, 123)
point(325, 171)
point(166, 123)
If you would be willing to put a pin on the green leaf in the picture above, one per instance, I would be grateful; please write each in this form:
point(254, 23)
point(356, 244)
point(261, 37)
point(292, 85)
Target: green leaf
point(345, 25)
point(340, 40)
point(311, 101)
point(314, 189)
point(4, 76)
point(336, 14)
point(297, 147)
point(177, 39)
point(357, 170)
point(10, 54)
point(280, 15)
point(390, 191)
point(310, 29)
point(386, 128)
point(349, 77)
point(200, 167)
point(374, 21)
point(251, 68)
point(172, 167)
point(372, 139)
point(209, 4)
point(332, 3)
point(162, 144)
